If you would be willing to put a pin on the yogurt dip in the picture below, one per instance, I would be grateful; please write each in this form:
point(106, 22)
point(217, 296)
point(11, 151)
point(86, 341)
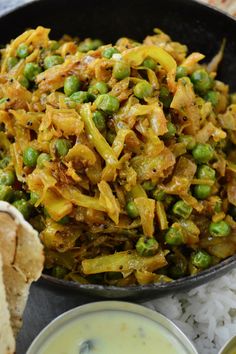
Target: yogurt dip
point(116, 332)
point(111, 327)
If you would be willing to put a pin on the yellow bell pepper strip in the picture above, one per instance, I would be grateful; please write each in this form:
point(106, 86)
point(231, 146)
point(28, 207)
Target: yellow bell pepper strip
point(135, 56)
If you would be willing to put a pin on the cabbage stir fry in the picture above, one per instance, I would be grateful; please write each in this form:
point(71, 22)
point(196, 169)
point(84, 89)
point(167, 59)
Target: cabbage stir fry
point(123, 157)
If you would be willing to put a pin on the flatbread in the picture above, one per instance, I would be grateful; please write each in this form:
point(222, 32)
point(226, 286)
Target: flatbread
point(22, 258)
point(7, 340)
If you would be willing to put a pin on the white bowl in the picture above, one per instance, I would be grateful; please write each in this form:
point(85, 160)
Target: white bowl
point(68, 317)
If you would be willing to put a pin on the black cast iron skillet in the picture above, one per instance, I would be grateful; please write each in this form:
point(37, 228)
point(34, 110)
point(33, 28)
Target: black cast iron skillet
point(200, 27)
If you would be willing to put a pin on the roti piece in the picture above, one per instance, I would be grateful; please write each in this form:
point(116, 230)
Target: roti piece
point(7, 340)
point(22, 255)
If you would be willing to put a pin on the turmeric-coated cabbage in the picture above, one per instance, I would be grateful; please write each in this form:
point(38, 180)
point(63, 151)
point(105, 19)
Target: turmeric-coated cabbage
point(121, 155)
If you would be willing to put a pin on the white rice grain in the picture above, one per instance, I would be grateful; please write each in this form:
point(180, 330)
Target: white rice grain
point(207, 314)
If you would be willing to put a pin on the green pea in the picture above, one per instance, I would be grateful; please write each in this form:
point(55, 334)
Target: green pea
point(64, 220)
point(188, 140)
point(62, 146)
point(11, 62)
point(80, 97)
point(203, 153)
point(89, 44)
point(147, 246)
point(24, 82)
point(4, 162)
point(7, 177)
point(22, 51)
point(206, 172)
point(107, 103)
point(213, 97)
point(52, 60)
point(59, 272)
point(132, 210)
point(182, 209)
point(202, 191)
point(34, 197)
point(174, 236)
point(148, 185)
point(171, 130)
point(6, 193)
point(219, 229)
point(121, 70)
point(43, 157)
point(54, 45)
point(201, 80)
point(201, 259)
point(108, 52)
point(98, 88)
point(158, 195)
point(31, 70)
point(30, 156)
point(181, 71)
point(110, 136)
point(24, 207)
point(143, 89)
point(149, 63)
point(99, 120)
point(165, 97)
point(71, 85)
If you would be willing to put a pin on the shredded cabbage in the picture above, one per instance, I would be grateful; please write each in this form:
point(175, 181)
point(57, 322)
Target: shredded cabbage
point(154, 164)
